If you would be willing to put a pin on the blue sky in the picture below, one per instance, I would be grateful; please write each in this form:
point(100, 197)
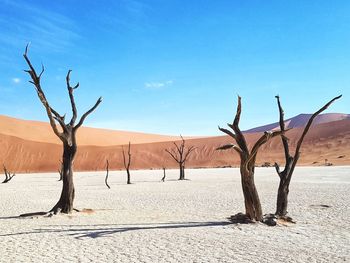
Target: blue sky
point(171, 67)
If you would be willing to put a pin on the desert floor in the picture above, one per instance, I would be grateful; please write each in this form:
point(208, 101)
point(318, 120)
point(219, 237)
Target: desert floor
point(176, 221)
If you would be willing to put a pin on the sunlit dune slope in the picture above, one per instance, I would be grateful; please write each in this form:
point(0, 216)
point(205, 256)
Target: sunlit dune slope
point(41, 132)
point(329, 141)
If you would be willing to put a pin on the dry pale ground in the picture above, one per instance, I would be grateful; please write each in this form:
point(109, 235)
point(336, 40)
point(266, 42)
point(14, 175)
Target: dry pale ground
point(176, 221)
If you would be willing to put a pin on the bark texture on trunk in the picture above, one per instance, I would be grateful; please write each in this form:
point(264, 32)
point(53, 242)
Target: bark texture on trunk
point(65, 203)
point(182, 172)
point(251, 196)
point(128, 174)
point(282, 198)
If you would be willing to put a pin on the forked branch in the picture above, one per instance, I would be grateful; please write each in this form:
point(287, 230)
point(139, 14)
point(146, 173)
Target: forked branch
point(83, 117)
point(36, 82)
point(127, 163)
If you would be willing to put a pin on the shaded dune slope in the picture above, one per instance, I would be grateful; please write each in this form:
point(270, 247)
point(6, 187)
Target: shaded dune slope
point(329, 141)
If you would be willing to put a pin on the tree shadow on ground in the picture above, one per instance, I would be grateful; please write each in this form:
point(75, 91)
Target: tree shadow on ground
point(81, 233)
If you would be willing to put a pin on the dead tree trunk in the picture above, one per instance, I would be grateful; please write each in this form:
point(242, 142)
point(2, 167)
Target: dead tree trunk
point(8, 176)
point(180, 154)
point(251, 198)
point(60, 171)
point(127, 164)
point(164, 175)
point(290, 161)
point(107, 172)
point(67, 135)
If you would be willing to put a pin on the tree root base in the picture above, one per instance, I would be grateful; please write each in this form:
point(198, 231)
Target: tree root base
point(241, 218)
point(55, 212)
point(276, 220)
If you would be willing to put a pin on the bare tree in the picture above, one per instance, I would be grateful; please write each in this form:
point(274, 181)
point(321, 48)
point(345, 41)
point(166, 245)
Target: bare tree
point(127, 163)
point(107, 172)
point(180, 154)
point(164, 175)
point(290, 161)
point(60, 171)
point(67, 134)
point(8, 176)
point(251, 198)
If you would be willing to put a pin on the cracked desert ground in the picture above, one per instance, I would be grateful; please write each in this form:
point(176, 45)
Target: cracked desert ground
point(176, 221)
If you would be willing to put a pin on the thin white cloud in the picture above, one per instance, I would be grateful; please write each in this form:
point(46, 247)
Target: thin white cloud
point(158, 85)
point(16, 80)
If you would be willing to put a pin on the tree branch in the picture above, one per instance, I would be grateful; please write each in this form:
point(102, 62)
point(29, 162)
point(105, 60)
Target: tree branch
point(229, 146)
point(189, 151)
point(282, 126)
point(239, 137)
point(82, 119)
point(263, 139)
point(172, 155)
point(36, 82)
point(228, 132)
point(307, 127)
point(277, 167)
point(71, 98)
point(129, 156)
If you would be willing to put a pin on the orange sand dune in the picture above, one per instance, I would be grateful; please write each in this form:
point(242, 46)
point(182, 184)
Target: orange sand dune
point(329, 141)
point(42, 132)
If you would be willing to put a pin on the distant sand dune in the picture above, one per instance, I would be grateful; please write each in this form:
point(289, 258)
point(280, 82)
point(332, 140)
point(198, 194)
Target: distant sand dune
point(42, 132)
point(329, 141)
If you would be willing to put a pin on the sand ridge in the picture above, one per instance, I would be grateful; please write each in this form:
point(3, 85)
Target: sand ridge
point(324, 141)
point(41, 132)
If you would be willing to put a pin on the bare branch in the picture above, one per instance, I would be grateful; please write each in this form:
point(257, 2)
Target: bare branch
point(308, 125)
point(71, 98)
point(282, 126)
point(229, 146)
point(36, 82)
point(8, 175)
point(229, 133)
point(173, 155)
point(178, 148)
point(127, 164)
point(263, 139)
point(82, 119)
point(129, 155)
point(239, 137)
point(42, 71)
point(277, 167)
point(306, 129)
point(124, 159)
point(189, 151)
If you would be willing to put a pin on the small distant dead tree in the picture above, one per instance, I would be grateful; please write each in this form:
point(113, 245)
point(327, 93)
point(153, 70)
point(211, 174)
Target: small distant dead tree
point(180, 154)
point(8, 176)
point(60, 171)
point(164, 175)
point(107, 171)
point(253, 209)
point(290, 160)
point(127, 163)
point(67, 134)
